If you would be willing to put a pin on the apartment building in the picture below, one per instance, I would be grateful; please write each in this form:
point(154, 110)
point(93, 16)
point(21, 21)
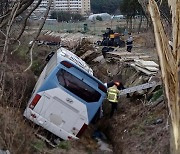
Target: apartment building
point(73, 6)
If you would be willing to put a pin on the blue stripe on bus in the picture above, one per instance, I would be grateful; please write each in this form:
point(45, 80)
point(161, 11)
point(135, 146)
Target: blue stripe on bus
point(51, 82)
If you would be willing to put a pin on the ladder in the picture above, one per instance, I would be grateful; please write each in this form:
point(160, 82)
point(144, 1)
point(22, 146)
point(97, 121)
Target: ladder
point(139, 87)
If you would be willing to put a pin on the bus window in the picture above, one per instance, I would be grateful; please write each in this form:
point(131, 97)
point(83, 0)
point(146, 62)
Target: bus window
point(77, 86)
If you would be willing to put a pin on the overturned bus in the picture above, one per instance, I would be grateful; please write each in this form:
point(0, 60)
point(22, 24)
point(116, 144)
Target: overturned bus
point(66, 96)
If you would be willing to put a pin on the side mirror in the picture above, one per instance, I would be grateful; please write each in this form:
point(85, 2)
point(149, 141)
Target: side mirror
point(49, 56)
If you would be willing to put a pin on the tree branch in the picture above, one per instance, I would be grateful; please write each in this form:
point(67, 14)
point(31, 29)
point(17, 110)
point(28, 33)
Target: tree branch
point(25, 21)
point(13, 14)
point(23, 6)
point(39, 31)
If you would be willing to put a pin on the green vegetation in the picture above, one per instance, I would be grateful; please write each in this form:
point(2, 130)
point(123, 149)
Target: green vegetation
point(66, 16)
point(131, 8)
point(65, 145)
point(156, 95)
point(119, 29)
point(99, 18)
point(138, 130)
point(37, 67)
point(150, 118)
point(39, 145)
point(21, 52)
point(102, 6)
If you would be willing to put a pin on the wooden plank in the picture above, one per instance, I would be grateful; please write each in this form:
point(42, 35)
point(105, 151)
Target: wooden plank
point(139, 87)
point(124, 53)
point(98, 59)
point(143, 70)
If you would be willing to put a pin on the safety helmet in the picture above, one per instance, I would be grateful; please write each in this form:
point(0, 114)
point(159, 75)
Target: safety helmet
point(117, 83)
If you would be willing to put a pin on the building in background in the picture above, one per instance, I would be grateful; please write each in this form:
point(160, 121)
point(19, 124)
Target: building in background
point(72, 6)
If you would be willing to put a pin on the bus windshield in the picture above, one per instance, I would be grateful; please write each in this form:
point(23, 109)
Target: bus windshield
point(77, 86)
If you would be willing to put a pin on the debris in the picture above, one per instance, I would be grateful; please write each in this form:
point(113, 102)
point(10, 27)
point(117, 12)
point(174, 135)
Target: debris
point(86, 54)
point(99, 59)
point(143, 69)
point(158, 121)
point(46, 140)
point(147, 65)
point(4, 152)
point(103, 146)
point(144, 63)
point(49, 38)
point(126, 56)
point(99, 134)
point(106, 49)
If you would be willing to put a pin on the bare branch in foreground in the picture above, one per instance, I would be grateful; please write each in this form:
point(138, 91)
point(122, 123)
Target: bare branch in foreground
point(25, 21)
point(38, 33)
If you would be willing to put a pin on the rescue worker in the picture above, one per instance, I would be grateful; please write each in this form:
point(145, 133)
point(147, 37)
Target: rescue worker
point(119, 84)
point(112, 96)
point(129, 42)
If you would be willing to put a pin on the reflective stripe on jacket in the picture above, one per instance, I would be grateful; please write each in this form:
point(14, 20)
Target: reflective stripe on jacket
point(112, 95)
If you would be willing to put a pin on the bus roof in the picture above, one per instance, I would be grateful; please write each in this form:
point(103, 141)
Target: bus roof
point(64, 54)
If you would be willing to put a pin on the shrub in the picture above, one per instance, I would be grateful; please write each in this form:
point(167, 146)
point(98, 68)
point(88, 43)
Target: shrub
point(99, 18)
point(64, 145)
point(156, 95)
point(66, 16)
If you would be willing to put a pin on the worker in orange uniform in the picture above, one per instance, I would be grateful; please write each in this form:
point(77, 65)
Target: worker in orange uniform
point(112, 96)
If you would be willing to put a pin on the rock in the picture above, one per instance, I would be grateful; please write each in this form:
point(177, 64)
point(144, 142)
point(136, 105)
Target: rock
point(103, 146)
point(158, 121)
point(4, 152)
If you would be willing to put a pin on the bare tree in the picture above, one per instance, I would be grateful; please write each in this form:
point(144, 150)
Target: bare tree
point(26, 19)
point(9, 10)
point(38, 33)
point(5, 49)
point(4, 5)
point(170, 64)
point(4, 18)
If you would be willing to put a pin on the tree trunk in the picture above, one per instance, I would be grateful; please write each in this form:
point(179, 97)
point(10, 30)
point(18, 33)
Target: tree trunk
point(170, 64)
point(127, 23)
point(131, 24)
point(140, 24)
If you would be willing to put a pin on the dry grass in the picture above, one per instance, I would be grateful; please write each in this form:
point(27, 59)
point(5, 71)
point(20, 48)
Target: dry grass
point(15, 135)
